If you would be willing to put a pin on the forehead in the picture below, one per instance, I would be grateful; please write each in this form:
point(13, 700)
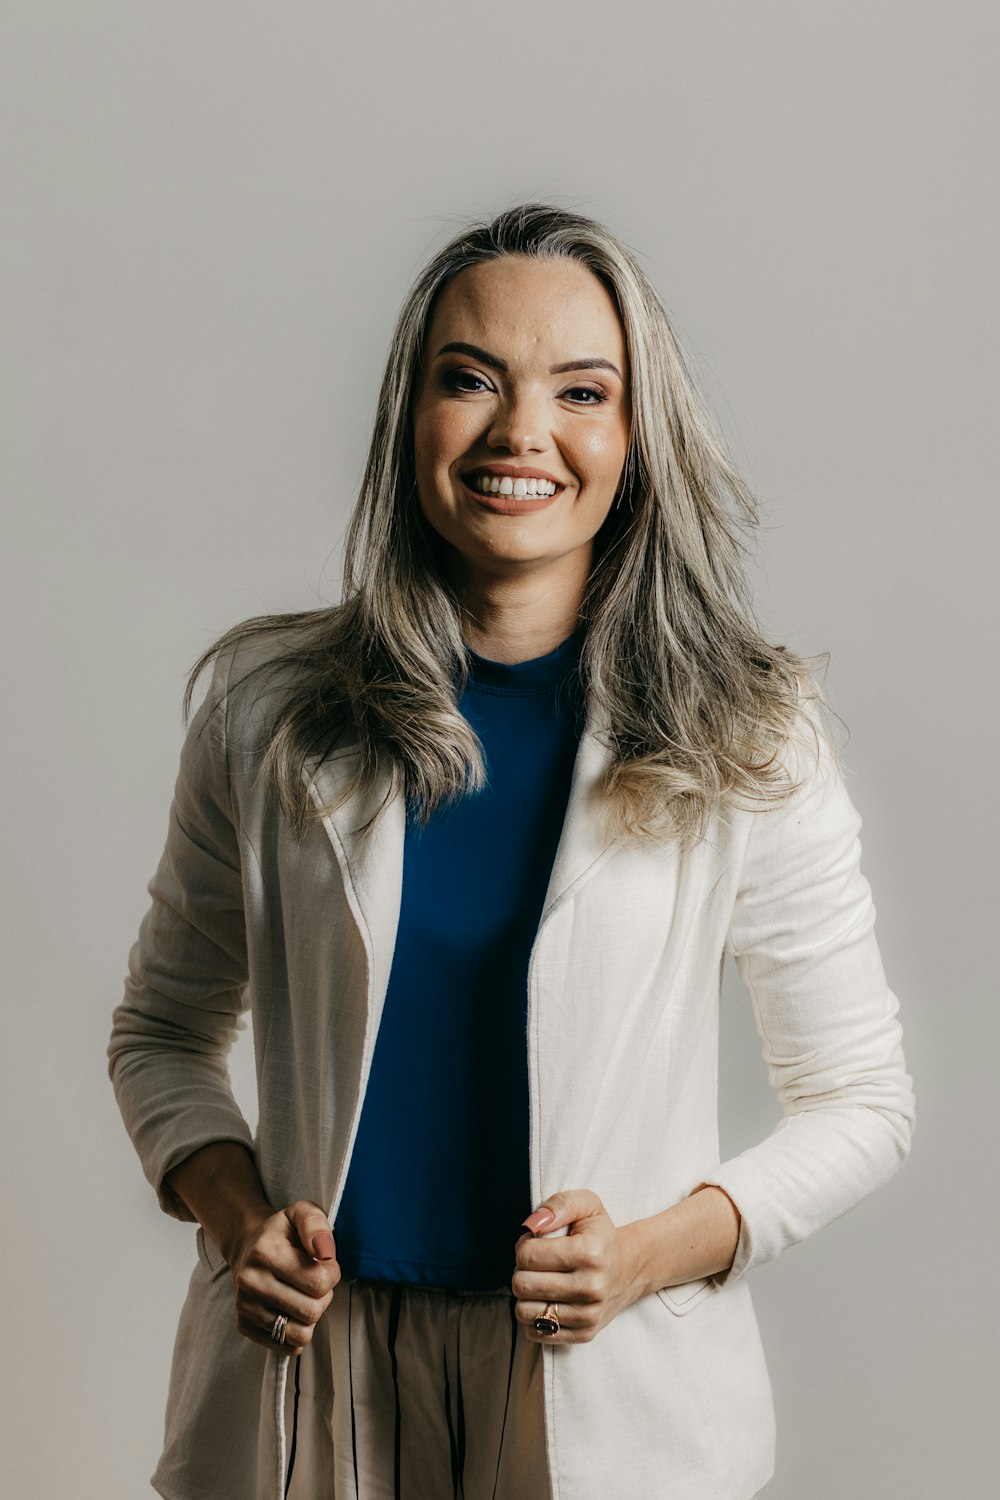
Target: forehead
point(520, 307)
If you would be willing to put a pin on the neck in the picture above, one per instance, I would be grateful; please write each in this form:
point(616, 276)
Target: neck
point(516, 619)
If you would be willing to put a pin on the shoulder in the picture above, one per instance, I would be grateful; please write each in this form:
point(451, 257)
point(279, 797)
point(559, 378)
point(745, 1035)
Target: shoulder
point(802, 757)
point(798, 788)
point(257, 667)
point(807, 834)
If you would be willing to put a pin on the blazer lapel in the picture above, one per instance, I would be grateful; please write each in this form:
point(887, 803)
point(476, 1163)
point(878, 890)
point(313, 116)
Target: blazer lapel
point(585, 841)
point(369, 848)
point(366, 830)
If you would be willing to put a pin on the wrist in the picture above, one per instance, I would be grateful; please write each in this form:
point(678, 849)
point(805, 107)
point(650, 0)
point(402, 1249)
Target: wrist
point(694, 1237)
point(638, 1259)
point(220, 1186)
point(234, 1227)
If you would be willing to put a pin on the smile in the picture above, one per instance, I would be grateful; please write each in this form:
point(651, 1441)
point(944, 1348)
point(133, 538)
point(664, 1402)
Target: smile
point(512, 497)
point(528, 486)
point(490, 484)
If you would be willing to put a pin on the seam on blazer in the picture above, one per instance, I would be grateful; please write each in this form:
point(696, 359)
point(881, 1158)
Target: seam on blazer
point(548, 1368)
point(354, 903)
point(244, 841)
point(555, 1478)
point(225, 743)
point(570, 891)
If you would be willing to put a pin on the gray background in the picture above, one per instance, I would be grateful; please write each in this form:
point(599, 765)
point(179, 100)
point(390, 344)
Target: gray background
point(216, 211)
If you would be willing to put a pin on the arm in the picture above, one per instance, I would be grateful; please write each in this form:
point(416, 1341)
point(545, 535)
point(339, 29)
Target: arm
point(169, 1048)
point(187, 971)
point(802, 932)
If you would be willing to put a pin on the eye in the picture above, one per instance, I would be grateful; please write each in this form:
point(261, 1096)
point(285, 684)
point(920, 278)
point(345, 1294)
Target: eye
point(463, 380)
point(592, 395)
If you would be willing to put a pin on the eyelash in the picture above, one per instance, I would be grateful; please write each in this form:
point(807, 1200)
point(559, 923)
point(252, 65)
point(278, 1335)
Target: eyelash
point(453, 377)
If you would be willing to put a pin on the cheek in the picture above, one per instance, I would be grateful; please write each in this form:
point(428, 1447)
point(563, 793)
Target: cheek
point(441, 434)
point(601, 453)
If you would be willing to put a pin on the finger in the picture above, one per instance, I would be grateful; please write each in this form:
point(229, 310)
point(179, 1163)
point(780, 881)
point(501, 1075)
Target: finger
point(259, 1329)
point(560, 1210)
point(278, 1255)
point(312, 1228)
point(263, 1291)
point(576, 1325)
point(312, 1278)
point(583, 1288)
point(568, 1254)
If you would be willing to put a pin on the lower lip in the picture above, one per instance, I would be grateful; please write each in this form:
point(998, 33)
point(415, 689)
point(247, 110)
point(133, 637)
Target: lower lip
point(510, 505)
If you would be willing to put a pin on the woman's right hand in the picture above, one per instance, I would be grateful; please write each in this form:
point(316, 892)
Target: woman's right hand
point(284, 1263)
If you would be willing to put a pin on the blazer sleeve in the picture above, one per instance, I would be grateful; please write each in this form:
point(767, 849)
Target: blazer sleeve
point(187, 972)
point(802, 932)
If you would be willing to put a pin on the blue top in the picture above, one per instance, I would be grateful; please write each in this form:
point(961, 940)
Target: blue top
point(438, 1183)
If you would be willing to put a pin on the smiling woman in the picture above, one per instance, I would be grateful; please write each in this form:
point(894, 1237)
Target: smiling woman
point(472, 846)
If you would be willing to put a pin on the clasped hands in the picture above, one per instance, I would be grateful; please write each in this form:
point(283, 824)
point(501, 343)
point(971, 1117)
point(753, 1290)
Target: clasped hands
point(286, 1263)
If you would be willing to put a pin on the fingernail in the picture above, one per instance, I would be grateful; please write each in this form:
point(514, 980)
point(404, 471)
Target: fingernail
point(322, 1245)
point(538, 1219)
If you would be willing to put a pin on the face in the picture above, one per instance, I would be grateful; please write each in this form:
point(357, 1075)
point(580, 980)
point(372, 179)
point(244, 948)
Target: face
point(521, 417)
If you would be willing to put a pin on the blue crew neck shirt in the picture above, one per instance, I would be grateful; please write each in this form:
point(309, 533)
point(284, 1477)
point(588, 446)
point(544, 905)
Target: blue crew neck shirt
point(438, 1184)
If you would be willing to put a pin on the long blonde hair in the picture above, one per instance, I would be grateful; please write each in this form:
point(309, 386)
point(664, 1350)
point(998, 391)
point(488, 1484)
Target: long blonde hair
point(694, 704)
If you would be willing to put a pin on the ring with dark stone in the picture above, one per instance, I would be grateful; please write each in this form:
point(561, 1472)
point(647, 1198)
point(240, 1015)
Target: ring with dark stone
point(548, 1323)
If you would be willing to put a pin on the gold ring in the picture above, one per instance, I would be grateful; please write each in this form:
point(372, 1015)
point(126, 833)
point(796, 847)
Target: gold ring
point(278, 1328)
point(548, 1323)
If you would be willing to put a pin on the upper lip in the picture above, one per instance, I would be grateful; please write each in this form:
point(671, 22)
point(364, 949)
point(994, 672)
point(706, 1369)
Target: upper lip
point(511, 471)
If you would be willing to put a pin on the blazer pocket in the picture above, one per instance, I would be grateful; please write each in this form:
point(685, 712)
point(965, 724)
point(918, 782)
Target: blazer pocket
point(681, 1299)
point(209, 1254)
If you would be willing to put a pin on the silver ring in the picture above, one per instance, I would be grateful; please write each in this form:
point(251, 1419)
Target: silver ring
point(278, 1329)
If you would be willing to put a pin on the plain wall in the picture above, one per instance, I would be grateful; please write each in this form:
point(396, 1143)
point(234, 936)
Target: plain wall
point(212, 212)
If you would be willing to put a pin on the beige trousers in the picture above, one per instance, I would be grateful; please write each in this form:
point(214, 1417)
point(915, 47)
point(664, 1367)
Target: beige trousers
point(435, 1396)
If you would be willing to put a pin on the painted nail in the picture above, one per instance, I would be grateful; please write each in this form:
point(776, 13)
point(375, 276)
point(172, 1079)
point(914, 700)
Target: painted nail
point(322, 1245)
point(539, 1219)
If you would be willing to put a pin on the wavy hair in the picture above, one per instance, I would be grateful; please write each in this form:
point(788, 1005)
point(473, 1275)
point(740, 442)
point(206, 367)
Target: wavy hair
point(694, 705)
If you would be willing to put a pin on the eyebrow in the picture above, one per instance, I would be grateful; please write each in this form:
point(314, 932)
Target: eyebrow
point(593, 363)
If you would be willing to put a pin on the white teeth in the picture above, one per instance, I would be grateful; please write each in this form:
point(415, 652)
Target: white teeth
point(520, 489)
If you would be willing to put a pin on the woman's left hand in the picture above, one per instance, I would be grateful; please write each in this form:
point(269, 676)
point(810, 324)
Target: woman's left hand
point(591, 1273)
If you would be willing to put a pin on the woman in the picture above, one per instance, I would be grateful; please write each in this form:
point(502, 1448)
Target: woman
point(472, 846)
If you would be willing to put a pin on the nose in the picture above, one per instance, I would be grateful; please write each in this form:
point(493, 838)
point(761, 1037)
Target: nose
point(519, 424)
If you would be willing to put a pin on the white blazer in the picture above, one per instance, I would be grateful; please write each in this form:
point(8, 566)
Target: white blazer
point(672, 1398)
